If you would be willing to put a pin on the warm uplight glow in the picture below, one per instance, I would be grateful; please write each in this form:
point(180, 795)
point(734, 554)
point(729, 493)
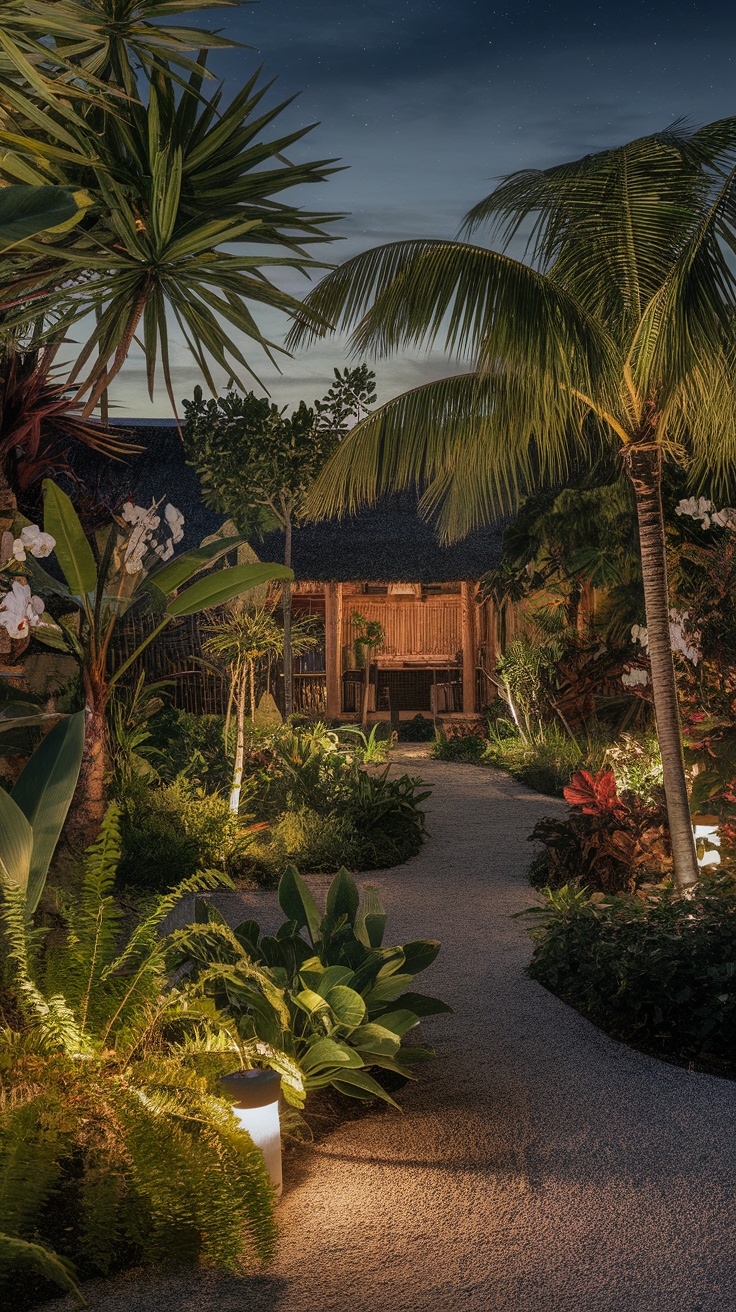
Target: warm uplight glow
point(707, 839)
point(255, 1099)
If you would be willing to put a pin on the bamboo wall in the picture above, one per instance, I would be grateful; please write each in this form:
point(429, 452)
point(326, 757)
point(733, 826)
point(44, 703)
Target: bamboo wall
point(432, 627)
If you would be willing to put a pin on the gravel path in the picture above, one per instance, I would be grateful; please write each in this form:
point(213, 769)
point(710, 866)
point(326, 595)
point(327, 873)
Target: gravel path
point(538, 1166)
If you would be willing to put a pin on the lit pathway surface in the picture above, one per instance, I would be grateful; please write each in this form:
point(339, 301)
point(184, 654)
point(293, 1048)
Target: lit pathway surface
point(538, 1167)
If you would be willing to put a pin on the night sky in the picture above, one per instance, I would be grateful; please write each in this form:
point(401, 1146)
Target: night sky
point(427, 101)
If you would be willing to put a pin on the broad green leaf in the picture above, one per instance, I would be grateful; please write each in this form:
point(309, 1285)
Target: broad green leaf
point(218, 588)
point(386, 989)
point(343, 896)
point(375, 1038)
point(73, 551)
point(359, 1084)
point(179, 571)
point(332, 977)
point(346, 1005)
point(399, 1022)
point(327, 1052)
point(25, 211)
point(297, 902)
point(311, 1002)
point(16, 843)
point(370, 925)
point(423, 1005)
point(420, 954)
point(43, 792)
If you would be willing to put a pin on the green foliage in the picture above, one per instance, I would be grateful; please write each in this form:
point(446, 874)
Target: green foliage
point(192, 746)
point(657, 973)
point(305, 838)
point(33, 814)
point(342, 1001)
point(417, 730)
point(114, 1147)
point(458, 747)
point(115, 99)
point(170, 832)
point(256, 463)
point(26, 211)
point(371, 748)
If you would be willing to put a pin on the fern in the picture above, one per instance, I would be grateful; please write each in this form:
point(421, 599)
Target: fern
point(108, 1094)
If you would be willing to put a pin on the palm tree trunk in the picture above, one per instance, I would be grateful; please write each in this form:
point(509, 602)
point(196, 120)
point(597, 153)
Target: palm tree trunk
point(240, 747)
point(288, 670)
point(645, 471)
point(87, 810)
point(252, 672)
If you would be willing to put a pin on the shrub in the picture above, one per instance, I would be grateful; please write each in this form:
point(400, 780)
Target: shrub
point(658, 973)
point(387, 815)
point(303, 837)
point(416, 730)
point(545, 764)
point(191, 745)
point(340, 1002)
point(114, 1146)
point(610, 841)
point(470, 747)
point(169, 833)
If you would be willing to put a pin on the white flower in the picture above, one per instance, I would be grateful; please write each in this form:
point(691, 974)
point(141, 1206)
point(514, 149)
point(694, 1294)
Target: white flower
point(20, 611)
point(679, 640)
point(19, 551)
point(175, 521)
point(699, 509)
point(639, 634)
point(635, 678)
point(38, 543)
point(725, 518)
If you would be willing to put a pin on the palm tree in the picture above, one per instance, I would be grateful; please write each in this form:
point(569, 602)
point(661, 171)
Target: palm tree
point(614, 331)
point(239, 638)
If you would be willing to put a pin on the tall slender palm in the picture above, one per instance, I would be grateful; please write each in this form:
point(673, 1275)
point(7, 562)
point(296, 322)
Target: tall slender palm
point(616, 329)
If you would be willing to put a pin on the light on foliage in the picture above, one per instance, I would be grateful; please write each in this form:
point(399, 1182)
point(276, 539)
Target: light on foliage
point(255, 1099)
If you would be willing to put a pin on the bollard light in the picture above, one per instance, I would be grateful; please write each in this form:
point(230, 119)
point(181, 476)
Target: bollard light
point(255, 1099)
point(705, 828)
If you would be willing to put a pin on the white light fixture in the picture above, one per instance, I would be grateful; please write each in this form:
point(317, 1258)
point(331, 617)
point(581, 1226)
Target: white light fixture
point(255, 1099)
point(705, 828)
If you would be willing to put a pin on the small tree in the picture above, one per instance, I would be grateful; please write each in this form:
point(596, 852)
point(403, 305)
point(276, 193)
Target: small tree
point(257, 464)
point(369, 637)
point(240, 638)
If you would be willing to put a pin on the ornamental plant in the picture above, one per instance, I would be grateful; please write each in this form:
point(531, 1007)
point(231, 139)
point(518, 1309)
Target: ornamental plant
point(127, 568)
point(610, 840)
point(115, 1147)
point(341, 1002)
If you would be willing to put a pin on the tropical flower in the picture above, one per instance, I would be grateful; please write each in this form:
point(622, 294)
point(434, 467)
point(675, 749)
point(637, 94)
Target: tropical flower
point(175, 521)
point(20, 611)
point(633, 678)
point(34, 540)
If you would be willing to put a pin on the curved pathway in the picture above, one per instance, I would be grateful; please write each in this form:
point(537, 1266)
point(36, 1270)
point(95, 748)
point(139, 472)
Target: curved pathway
point(538, 1166)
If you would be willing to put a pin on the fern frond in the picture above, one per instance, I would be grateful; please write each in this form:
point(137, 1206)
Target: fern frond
point(19, 1254)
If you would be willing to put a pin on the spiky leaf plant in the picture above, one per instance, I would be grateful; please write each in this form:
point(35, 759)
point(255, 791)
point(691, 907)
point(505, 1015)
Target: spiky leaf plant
point(109, 1115)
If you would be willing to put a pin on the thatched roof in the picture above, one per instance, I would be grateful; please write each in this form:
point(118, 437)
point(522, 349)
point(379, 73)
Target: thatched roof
point(387, 544)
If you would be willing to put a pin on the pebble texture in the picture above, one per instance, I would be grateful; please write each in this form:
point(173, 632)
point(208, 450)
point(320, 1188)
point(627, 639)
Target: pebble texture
point(537, 1166)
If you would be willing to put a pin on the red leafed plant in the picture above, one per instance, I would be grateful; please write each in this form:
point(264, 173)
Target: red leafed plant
point(595, 794)
point(610, 841)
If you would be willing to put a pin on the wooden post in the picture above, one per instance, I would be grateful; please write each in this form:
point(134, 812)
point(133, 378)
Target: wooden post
point(333, 648)
point(467, 602)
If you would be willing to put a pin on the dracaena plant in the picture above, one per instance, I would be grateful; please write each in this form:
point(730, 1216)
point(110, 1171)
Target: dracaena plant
point(342, 1003)
point(157, 169)
point(128, 567)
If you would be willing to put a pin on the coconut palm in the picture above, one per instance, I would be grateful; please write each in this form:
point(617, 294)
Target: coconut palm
point(615, 330)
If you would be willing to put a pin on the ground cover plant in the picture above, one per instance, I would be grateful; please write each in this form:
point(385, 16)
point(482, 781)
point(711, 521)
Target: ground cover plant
point(656, 972)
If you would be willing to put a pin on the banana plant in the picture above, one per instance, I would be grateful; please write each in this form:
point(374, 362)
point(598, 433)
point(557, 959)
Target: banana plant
point(33, 814)
point(347, 998)
point(120, 573)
